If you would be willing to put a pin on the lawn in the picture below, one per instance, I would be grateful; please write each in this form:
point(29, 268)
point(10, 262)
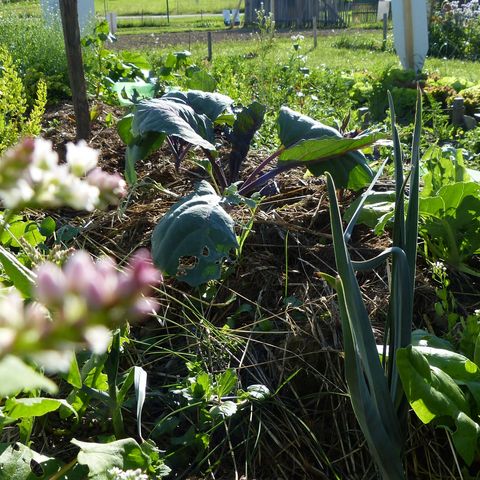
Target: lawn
point(159, 7)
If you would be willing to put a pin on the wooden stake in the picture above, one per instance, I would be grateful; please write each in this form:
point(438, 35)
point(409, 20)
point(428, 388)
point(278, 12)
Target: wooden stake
point(71, 35)
point(209, 42)
point(315, 39)
point(385, 30)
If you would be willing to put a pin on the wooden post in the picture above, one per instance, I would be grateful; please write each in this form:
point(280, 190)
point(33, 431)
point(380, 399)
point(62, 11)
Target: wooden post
point(209, 41)
point(385, 30)
point(315, 39)
point(458, 112)
point(168, 13)
point(71, 34)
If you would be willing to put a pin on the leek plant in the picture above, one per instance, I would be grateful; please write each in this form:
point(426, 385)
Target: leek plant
point(374, 384)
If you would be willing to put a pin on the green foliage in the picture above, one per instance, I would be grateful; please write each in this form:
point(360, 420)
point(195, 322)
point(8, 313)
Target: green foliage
point(195, 229)
point(437, 383)
point(104, 68)
point(203, 408)
point(455, 31)
point(15, 120)
point(38, 51)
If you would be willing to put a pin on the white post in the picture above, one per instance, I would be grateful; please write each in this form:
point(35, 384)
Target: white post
point(410, 31)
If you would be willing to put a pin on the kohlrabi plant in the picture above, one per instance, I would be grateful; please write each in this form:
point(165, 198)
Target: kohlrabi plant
point(198, 227)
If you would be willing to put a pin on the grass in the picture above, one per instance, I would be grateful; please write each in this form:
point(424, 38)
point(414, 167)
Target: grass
point(140, 7)
point(327, 55)
point(177, 7)
point(179, 24)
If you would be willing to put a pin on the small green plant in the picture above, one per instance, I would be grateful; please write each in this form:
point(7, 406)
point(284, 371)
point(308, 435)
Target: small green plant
point(15, 120)
point(265, 24)
point(105, 68)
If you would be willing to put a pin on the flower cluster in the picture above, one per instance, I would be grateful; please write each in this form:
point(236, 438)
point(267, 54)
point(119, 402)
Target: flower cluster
point(77, 304)
point(31, 176)
point(116, 473)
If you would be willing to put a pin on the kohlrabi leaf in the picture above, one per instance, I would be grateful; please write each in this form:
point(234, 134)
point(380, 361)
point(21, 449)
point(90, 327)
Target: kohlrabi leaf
point(247, 123)
point(138, 149)
point(173, 119)
point(294, 127)
point(308, 142)
point(317, 149)
point(125, 454)
point(194, 237)
point(348, 171)
point(203, 103)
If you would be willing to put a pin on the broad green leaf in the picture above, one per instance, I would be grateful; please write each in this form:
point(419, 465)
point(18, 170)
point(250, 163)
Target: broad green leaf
point(465, 437)
point(18, 462)
point(129, 93)
point(17, 376)
point(100, 457)
point(135, 58)
point(247, 123)
point(442, 166)
point(294, 127)
point(175, 119)
point(33, 407)
point(226, 382)
point(258, 392)
point(224, 410)
point(203, 103)
point(318, 149)
point(197, 230)
point(430, 391)
point(201, 80)
point(350, 171)
point(462, 370)
point(48, 226)
point(451, 222)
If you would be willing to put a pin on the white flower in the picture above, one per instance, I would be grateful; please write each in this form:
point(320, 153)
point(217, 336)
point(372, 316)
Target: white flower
point(81, 158)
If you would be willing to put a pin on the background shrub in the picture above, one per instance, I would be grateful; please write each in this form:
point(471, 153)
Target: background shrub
point(38, 52)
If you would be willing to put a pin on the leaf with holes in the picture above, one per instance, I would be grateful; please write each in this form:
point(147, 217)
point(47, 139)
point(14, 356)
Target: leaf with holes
point(196, 229)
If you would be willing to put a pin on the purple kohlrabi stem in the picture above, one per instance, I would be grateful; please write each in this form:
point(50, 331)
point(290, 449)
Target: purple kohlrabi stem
point(251, 178)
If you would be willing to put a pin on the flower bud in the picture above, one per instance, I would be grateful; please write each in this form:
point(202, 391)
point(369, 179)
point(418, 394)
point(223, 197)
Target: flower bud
point(51, 284)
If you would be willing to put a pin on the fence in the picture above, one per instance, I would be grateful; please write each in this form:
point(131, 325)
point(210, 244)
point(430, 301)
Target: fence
point(329, 13)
